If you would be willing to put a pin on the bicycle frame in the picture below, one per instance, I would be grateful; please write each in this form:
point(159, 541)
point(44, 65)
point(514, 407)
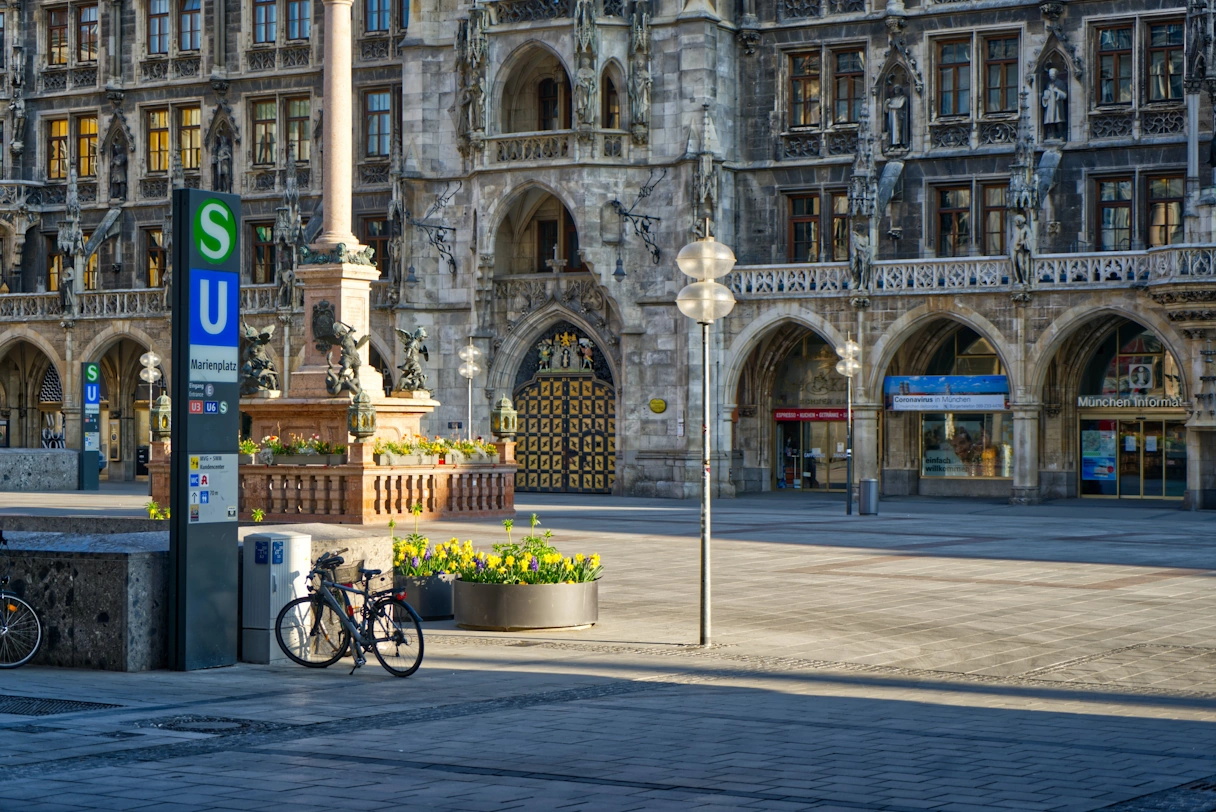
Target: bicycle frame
point(358, 637)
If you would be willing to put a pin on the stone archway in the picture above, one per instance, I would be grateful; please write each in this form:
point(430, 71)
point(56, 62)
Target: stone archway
point(32, 397)
point(565, 393)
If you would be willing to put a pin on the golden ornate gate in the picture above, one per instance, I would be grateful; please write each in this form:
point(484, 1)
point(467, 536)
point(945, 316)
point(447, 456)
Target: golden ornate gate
point(567, 421)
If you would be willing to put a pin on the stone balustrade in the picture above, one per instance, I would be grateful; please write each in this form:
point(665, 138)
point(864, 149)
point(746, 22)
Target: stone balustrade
point(541, 146)
point(1097, 270)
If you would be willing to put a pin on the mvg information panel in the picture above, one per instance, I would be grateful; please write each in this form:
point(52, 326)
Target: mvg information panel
point(206, 424)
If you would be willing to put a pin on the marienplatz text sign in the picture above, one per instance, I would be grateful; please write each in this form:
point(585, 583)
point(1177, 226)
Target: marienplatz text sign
point(90, 425)
point(206, 422)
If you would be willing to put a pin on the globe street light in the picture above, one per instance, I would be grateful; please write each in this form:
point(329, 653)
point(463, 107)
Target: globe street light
point(469, 369)
point(704, 301)
point(149, 375)
point(849, 366)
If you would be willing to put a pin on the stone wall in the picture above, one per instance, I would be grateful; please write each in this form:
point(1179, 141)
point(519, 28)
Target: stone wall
point(39, 469)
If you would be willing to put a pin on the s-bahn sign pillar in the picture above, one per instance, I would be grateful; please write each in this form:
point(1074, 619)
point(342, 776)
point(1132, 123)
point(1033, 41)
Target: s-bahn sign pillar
point(206, 422)
point(90, 427)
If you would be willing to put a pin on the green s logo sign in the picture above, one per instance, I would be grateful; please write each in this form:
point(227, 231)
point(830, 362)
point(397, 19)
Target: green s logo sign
point(214, 230)
point(90, 373)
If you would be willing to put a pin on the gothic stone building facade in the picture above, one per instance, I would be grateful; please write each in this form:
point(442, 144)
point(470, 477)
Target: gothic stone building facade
point(1004, 204)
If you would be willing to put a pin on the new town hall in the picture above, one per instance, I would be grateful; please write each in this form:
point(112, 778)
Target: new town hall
point(1008, 205)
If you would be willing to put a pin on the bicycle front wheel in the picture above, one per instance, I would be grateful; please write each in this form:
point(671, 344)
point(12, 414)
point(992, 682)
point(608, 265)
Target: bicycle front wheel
point(20, 632)
point(397, 635)
point(311, 633)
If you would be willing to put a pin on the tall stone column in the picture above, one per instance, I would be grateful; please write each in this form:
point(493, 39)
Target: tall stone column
point(338, 129)
point(1025, 454)
point(866, 458)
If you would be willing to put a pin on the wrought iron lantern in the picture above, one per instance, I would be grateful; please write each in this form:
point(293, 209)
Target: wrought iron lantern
point(162, 417)
point(361, 416)
point(504, 420)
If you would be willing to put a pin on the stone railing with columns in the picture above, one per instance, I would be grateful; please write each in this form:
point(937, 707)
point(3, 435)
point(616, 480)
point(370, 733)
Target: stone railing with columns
point(980, 274)
point(104, 304)
point(259, 298)
point(541, 146)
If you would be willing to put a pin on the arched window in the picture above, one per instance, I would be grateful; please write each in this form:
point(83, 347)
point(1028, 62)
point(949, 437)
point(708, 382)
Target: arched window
point(548, 104)
point(611, 117)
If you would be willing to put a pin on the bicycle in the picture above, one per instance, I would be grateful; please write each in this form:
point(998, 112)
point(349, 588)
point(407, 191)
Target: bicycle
point(317, 630)
point(20, 629)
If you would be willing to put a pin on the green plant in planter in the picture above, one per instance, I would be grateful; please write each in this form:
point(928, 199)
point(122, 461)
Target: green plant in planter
point(155, 511)
point(258, 514)
point(248, 447)
point(414, 555)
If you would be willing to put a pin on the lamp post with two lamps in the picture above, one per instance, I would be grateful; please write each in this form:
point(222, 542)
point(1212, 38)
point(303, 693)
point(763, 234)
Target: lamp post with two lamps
point(704, 301)
point(470, 369)
point(849, 366)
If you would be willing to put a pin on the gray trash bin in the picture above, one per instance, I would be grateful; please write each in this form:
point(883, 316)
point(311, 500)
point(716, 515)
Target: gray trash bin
point(867, 498)
point(275, 567)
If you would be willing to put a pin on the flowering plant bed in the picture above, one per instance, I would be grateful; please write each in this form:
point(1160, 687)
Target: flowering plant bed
point(432, 451)
point(425, 573)
point(296, 450)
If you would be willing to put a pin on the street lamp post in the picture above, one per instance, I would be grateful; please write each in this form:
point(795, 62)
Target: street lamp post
point(469, 369)
point(849, 366)
point(704, 301)
point(149, 375)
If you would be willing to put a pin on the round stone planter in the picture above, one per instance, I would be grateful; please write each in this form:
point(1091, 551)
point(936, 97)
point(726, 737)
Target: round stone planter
point(511, 607)
point(431, 597)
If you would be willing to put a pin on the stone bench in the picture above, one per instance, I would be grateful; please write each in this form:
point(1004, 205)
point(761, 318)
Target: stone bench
point(39, 469)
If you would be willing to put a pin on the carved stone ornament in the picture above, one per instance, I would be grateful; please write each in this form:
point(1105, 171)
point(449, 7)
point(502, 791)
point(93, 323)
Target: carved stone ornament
point(258, 372)
point(328, 333)
point(365, 256)
point(414, 352)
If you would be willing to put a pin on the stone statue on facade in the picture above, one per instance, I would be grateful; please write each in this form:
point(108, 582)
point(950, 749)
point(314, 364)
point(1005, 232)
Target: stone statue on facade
point(860, 259)
point(640, 84)
point(118, 170)
point(1055, 111)
point(413, 353)
point(221, 165)
point(584, 92)
point(1021, 251)
point(258, 372)
point(897, 118)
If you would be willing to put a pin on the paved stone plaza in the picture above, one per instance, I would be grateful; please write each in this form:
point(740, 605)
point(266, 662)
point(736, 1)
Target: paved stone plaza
point(945, 655)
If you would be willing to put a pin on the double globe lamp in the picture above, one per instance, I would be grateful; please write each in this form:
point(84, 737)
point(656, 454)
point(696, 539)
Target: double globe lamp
point(705, 301)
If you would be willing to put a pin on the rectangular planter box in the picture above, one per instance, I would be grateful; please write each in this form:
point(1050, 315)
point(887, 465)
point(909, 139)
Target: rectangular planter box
point(431, 597)
point(389, 458)
point(509, 607)
point(309, 459)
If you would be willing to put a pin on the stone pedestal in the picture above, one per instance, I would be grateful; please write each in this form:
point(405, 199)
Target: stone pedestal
point(396, 418)
point(1025, 455)
point(158, 472)
point(347, 287)
point(1201, 467)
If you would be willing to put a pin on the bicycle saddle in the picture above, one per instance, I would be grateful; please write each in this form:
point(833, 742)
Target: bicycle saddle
point(366, 573)
point(328, 561)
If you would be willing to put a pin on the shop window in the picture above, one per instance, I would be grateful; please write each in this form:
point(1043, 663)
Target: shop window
point(158, 27)
point(299, 19)
point(158, 140)
point(804, 228)
point(57, 37)
point(1115, 65)
point(376, 235)
point(953, 221)
point(154, 241)
point(1132, 361)
point(86, 146)
point(1165, 62)
point(611, 117)
point(189, 20)
point(967, 445)
point(1114, 214)
point(298, 136)
point(849, 78)
point(265, 21)
point(262, 271)
point(954, 78)
point(995, 222)
point(1165, 222)
point(377, 121)
point(1001, 75)
point(840, 227)
point(86, 34)
point(265, 132)
point(189, 137)
point(804, 90)
point(57, 149)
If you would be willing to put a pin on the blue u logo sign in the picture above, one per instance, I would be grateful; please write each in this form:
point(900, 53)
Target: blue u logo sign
point(214, 304)
point(92, 393)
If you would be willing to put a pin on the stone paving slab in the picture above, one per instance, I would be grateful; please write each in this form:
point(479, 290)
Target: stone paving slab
point(966, 657)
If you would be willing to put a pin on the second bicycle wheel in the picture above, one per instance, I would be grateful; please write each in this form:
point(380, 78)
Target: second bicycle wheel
point(397, 637)
point(20, 631)
point(311, 633)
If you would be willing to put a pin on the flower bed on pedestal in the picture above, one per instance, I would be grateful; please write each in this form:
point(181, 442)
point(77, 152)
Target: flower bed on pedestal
point(436, 451)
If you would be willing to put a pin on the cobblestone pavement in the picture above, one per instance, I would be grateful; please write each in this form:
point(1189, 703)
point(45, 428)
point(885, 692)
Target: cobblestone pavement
point(944, 655)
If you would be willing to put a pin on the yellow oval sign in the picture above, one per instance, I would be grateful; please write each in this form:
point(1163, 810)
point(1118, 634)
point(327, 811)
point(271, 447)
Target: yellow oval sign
point(658, 405)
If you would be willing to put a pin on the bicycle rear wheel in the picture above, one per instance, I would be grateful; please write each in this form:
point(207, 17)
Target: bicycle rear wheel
point(311, 633)
point(397, 635)
point(20, 632)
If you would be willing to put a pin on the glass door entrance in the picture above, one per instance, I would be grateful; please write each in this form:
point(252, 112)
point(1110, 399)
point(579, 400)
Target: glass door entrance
point(811, 455)
point(1133, 459)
